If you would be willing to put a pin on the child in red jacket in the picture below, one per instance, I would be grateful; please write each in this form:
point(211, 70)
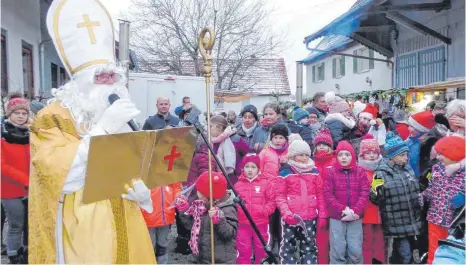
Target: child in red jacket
point(301, 203)
point(373, 246)
point(346, 193)
point(257, 192)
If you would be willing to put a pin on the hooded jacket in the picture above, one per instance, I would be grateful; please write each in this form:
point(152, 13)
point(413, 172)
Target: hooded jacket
point(300, 193)
point(224, 233)
point(346, 187)
point(271, 159)
point(15, 160)
point(258, 198)
point(199, 164)
point(162, 197)
point(398, 200)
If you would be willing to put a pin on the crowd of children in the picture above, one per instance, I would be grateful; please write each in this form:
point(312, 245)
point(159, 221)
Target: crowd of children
point(320, 206)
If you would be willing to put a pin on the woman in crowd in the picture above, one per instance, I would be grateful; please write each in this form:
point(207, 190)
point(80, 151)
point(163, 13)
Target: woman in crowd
point(248, 125)
point(272, 116)
point(15, 175)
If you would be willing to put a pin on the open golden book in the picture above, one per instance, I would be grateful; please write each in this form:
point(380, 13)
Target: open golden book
point(158, 157)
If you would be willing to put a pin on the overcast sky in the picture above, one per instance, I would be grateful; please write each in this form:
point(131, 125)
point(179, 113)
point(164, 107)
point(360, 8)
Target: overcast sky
point(298, 18)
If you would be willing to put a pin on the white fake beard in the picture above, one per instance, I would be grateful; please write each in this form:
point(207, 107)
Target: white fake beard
point(87, 101)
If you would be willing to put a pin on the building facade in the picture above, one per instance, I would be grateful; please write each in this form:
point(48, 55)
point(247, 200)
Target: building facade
point(344, 74)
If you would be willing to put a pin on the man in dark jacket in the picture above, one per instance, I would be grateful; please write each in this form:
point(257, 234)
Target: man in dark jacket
point(163, 118)
point(318, 102)
point(395, 189)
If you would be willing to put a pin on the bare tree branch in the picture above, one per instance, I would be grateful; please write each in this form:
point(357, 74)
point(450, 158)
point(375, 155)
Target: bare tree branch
point(165, 33)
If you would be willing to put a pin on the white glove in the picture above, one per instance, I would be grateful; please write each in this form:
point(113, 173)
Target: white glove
point(117, 115)
point(140, 194)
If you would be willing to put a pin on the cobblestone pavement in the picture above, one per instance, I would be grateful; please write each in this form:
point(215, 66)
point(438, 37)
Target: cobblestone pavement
point(173, 258)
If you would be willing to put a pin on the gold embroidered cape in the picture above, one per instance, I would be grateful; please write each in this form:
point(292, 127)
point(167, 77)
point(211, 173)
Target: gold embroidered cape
point(110, 231)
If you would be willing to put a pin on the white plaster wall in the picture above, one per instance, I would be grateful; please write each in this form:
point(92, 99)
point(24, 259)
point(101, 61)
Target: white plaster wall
point(258, 101)
point(381, 76)
point(21, 20)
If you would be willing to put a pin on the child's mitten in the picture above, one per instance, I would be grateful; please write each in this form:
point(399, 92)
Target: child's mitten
point(181, 203)
point(216, 215)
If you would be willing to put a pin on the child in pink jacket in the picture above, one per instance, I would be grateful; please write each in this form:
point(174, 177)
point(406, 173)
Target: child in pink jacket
point(275, 151)
point(301, 203)
point(257, 192)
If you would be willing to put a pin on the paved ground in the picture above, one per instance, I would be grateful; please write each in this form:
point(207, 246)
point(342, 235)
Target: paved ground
point(173, 258)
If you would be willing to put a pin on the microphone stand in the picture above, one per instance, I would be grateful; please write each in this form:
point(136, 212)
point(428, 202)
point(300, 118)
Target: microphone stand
point(270, 259)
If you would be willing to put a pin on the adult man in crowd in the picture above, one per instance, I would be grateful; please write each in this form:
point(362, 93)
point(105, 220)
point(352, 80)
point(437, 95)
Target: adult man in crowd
point(162, 118)
point(319, 103)
point(186, 102)
point(160, 220)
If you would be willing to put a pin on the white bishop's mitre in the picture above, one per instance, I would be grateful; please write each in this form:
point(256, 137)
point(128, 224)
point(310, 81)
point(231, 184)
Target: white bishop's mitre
point(83, 34)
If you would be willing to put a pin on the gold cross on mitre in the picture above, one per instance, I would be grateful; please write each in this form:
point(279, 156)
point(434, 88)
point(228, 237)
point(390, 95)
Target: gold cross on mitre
point(89, 24)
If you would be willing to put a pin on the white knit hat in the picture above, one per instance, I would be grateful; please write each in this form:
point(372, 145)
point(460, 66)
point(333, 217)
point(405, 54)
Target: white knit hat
point(298, 147)
point(294, 137)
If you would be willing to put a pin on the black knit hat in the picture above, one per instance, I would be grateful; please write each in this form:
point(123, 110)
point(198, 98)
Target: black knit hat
point(313, 110)
point(250, 108)
point(279, 129)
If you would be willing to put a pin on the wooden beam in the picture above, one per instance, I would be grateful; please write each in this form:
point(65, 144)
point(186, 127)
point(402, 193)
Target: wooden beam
point(375, 28)
point(416, 26)
point(445, 4)
point(374, 46)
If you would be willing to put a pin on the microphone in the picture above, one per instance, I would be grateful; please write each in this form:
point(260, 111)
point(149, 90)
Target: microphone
point(114, 97)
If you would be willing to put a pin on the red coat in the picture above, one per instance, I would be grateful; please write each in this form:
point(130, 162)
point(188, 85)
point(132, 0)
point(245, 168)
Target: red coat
point(15, 169)
point(258, 198)
point(403, 131)
point(301, 194)
point(162, 197)
point(371, 215)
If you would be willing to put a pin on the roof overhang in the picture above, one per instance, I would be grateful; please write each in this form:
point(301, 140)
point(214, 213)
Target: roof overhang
point(444, 85)
point(233, 96)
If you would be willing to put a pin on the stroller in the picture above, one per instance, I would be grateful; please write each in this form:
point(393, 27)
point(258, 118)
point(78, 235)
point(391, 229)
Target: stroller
point(452, 249)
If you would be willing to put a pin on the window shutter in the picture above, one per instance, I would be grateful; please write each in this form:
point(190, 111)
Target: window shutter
point(323, 71)
point(342, 65)
point(355, 62)
point(334, 67)
point(313, 74)
point(371, 62)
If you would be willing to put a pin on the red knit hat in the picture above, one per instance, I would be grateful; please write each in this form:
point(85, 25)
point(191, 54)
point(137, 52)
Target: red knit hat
point(451, 147)
point(422, 121)
point(346, 146)
point(219, 185)
point(323, 137)
point(251, 158)
point(368, 144)
point(370, 112)
point(16, 102)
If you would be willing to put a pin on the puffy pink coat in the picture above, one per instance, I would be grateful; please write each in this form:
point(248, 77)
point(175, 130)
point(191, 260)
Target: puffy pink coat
point(258, 198)
point(300, 193)
point(271, 160)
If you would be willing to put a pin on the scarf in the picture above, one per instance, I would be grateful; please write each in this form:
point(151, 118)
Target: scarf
point(15, 134)
point(315, 127)
point(196, 210)
point(249, 131)
point(322, 157)
point(226, 151)
point(369, 165)
point(279, 150)
point(301, 167)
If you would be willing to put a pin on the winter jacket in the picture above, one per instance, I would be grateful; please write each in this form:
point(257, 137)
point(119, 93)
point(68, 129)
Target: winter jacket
point(322, 115)
point(371, 215)
point(199, 164)
point(15, 161)
point(303, 130)
point(323, 163)
point(258, 198)
point(271, 160)
point(242, 149)
point(398, 200)
point(339, 127)
point(162, 197)
point(262, 134)
point(158, 122)
point(403, 131)
point(300, 193)
point(414, 146)
point(224, 234)
point(242, 134)
point(346, 188)
point(441, 190)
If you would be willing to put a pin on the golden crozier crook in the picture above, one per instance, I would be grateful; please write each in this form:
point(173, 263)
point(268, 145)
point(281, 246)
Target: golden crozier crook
point(205, 48)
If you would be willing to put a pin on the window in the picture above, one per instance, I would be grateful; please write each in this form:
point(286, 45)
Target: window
point(338, 67)
point(4, 65)
point(28, 70)
point(54, 75)
point(318, 72)
point(360, 64)
point(63, 76)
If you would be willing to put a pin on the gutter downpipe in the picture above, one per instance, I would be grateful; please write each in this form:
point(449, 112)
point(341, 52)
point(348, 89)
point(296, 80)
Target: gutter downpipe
point(42, 65)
